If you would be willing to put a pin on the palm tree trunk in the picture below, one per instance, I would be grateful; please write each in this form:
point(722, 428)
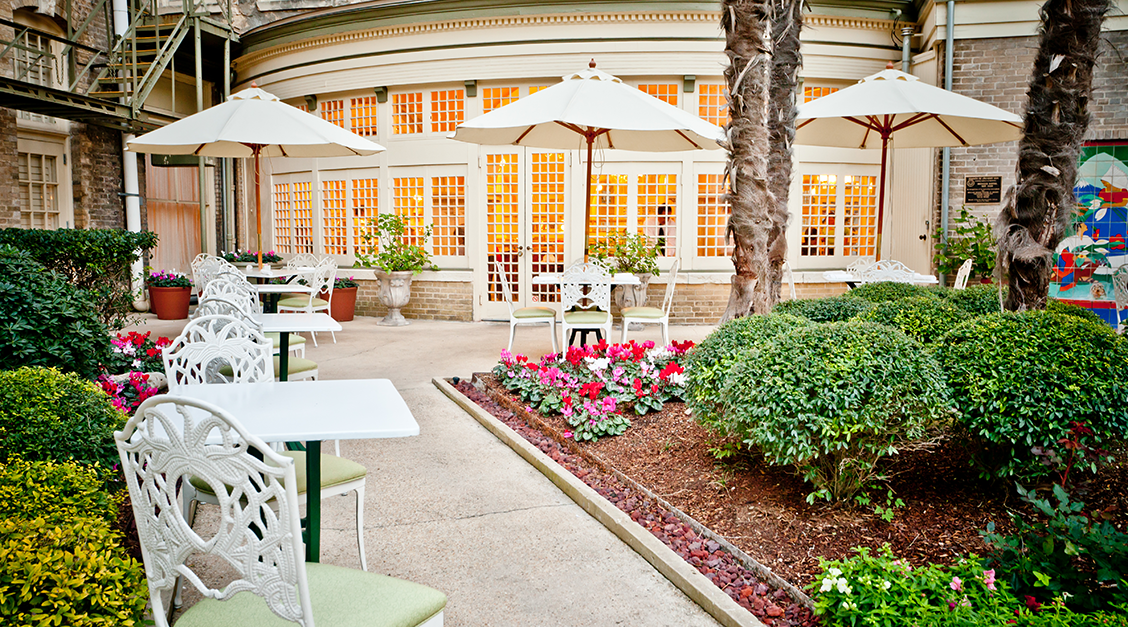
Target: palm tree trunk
point(748, 44)
point(787, 22)
point(1041, 204)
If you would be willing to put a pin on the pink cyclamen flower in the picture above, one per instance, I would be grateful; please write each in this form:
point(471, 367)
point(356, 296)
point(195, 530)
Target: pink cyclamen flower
point(567, 434)
point(956, 584)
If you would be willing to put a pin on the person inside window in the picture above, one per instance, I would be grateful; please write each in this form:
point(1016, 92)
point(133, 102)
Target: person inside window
point(659, 228)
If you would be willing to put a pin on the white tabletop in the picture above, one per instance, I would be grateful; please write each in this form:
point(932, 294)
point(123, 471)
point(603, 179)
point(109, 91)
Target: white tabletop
point(252, 270)
point(296, 322)
point(293, 411)
point(842, 276)
point(619, 278)
point(282, 288)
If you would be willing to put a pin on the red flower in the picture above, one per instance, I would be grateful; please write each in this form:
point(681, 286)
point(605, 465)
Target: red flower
point(671, 368)
point(637, 385)
point(163, 341)
point(681, 347)
point(522, 359)
point(532, 366)
point(601, 346)
point(153, 352)
point(1033, 603)
point(591, 390)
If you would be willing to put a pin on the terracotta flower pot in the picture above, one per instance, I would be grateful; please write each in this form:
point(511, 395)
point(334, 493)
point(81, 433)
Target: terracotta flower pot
point(343, 305)
point(170, 303)
point(395, 291)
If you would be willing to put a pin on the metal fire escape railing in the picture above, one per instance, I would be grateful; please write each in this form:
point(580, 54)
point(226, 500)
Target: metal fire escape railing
point(58, 76)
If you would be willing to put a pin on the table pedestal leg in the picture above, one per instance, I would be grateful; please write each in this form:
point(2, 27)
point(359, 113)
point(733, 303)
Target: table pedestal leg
point(284, 356)
point(313, 501)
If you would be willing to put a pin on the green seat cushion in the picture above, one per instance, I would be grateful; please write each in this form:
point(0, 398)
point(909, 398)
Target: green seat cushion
point(294, 365)
point(334, 471)
point(534, 312)
point(276, 339)
point(341, 597)
point(586, 317)
point(297, 302)
point(643, 312)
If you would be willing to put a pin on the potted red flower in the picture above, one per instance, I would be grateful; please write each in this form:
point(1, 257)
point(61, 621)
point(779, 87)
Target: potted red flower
point(169, 294)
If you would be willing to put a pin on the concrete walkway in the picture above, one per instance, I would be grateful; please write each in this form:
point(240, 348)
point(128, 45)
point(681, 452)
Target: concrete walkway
point(457, 510)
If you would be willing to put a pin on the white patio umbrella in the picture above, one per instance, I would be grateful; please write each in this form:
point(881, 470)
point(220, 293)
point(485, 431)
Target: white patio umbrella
point(254, 123)
point(895, 103)
point(595, 109)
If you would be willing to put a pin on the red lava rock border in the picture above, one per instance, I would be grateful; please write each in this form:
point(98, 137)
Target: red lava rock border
point(723, 564)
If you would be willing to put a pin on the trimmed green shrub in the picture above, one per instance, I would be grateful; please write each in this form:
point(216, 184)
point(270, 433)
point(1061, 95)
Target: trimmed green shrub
point(45, 321)
point(830, 309)
point(925, 320)
point(1054, 305)
point(889, 290)
point(834, 399)
point(1020, 379)
point(49, 416)
point(61, 561)
point(95, 260)
point(979, 299)
point(708, 363)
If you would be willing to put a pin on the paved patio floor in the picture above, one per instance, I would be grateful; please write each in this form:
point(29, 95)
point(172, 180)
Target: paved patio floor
point(457, 510)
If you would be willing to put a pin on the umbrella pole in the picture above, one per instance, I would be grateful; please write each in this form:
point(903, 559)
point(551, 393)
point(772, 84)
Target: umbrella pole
point(881, 193)
point(587, 208)
point(258, 204)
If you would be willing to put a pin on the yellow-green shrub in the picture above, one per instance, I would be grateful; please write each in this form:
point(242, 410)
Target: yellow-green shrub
point(61, 560)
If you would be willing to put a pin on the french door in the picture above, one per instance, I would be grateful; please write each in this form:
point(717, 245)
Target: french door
point(526, 193)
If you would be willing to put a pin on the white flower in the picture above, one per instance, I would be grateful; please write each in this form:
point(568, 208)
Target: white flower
point(597, 364)
point(678, 378)
point(827, 584)
point(834, 572)
point(842, 587)
point(886, 585)
point(658, 352)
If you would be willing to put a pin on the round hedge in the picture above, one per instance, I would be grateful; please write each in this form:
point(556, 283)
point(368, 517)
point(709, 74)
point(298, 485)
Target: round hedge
point(835, 398)
point(889, 290)
point(979, 299)
point(1019, 379)
point(50, 416)
point(47, 321)
point(830, 309)
point(925, 320)
point(708, 363)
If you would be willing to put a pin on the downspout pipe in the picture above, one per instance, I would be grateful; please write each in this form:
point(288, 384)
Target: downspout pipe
point(946, 165)
point(129, 178)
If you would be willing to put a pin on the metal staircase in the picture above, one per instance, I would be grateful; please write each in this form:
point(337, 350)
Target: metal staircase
point(109, 87)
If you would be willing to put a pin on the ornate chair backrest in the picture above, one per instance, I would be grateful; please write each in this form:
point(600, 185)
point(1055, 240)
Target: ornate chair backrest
point(172, 439)
point(321, 278)
point(1120, 287)
point(586, 285)
point(210, 342)
point(234, 288)
point(503, 278)
point(231, 306)
point(206, 267)
point(963, 274)
point(671, 282)
point(886, 270)
point(303, 260)
point(858, 266)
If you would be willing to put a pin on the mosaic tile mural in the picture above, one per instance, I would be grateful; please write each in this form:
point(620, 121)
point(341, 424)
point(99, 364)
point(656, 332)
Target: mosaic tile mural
point(1088, 257)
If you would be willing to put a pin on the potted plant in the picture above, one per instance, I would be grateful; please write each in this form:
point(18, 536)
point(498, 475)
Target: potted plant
point(396, 262)
point(633, 253)
point(169, 293)
point(971, 238)
point(250, 256)
point(343, 304)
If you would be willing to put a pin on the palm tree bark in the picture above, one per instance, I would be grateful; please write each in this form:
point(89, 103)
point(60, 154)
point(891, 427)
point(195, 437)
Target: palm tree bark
point(1040, 205)
point(787, 22)
point(748, 44)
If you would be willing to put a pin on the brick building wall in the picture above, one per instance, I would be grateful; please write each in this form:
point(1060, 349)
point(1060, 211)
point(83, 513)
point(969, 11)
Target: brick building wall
point(997, 71)
point(430, 300)
point(9, 171)
point(96, 177)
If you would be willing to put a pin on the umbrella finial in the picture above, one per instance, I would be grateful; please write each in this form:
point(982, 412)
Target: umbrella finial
point(889, 66)
point(254, 84)
point(591, 64)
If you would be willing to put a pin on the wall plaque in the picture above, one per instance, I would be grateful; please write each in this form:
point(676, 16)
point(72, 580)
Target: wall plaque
point(983, 190)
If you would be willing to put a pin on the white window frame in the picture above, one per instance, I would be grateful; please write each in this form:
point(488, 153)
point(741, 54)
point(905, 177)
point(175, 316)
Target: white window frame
point(57, 147)
point(795, 230)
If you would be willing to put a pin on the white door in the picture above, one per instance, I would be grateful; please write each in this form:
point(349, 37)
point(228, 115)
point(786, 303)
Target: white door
point(526, 192)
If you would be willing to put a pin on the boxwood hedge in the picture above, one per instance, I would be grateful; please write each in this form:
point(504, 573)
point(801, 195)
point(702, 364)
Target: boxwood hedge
point(979, 299)
point(1019, 379)
point(830, 309)
point(925, 320)
point(889, 290)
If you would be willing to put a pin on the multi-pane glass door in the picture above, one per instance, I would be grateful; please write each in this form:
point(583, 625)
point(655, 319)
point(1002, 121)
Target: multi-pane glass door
point(525, 200)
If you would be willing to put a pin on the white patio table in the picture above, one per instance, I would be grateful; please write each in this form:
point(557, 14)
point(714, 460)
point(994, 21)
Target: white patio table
point(553, 278)
point(287, 323)
point(312, 411)
point(851, 279)
point(274, 290)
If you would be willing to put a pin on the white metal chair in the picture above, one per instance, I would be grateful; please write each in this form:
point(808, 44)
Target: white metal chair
point(231, 286)
point(320, 280)
point(885, 270)
point(303, 260)
point(206, 267)
point(162, 447)
point(524, 315)
point(585, 294)
point(654, 315)
point(1120, 293)
point(225, 349)
point(235, 306)
point(790, 277)
point(963, 274)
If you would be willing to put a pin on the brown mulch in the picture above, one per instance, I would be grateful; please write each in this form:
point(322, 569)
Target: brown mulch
point(762, 509)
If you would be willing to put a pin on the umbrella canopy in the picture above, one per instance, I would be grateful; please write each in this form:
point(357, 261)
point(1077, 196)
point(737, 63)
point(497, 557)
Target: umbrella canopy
point(591, 109)
point(893, 103)
point(253, 123)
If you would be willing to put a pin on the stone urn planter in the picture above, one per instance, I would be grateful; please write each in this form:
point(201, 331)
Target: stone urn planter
point(395, 291)
point(632, 295)
point(170, 303)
